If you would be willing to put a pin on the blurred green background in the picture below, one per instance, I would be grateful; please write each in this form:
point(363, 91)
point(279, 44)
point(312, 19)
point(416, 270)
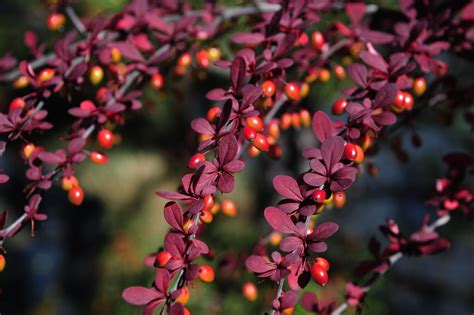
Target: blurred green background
point(81, 258)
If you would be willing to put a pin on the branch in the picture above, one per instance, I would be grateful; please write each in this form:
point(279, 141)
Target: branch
point(441, 221)
point(75, 20)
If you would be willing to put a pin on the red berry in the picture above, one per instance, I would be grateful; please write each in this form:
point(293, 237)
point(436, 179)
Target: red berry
point(339, 107)
point(105, 138)
point(162, 258)
point(292, 90)
point(350, 151)
point(399, 99)
point(249, 290)
point(195, 160)
point(202, 58)
point(320, 276)
point(408, 101)
point(157, 81)
point(268, 88)
point(419, 86)
point(319, 195)
point(212, 114)
point(76, 195)
point(87, 105)
point(17, 103)
point(317, 39)
point(208, 203)
point(99, 158)
point(255, 122)
point(323, 262)
point(206, 273)
point(249, 133)
point(261, 142)
point(303, 39)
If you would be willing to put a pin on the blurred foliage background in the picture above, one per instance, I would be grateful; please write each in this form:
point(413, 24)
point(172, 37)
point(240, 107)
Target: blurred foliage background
point(81, 258)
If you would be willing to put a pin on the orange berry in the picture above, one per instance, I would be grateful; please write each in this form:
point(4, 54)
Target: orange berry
point(295, 120)
point(249, 290)
point(214, 53)
point(3, 262)
point(96, 74)
point(184, 297)
point(206, 273)
point(324, 75)
point(285, 121)
point(304, 90)
point(67, 182)
point(206, 217)
point(184, 60)
point(360, 155)
point(157, 81)
point(21, 82)
point(275, 238)
point(252, 151)
point(45, 75)
point(268, 88)
point(256, 123)
point(212, 114)
point(419, 86)
point(229, 208)
point(339, 199)
point(186, 311)
point(56, 21)
point(339, 72)
point(27, 150)
point(273, 129)
point(115, 55)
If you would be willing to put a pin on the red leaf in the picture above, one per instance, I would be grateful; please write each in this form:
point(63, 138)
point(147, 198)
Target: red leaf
point(287, 187)
point(139, 295)
point(279, 221)
point(322, 126)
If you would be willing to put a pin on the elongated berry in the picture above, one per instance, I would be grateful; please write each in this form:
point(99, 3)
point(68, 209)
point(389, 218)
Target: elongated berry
point(184, 297)
point(339, 72)
point(3, 262)
point(229, 208)
point(339, 107)
point(317, 39)
point(162, 258)
point(323, 262)
point(285, 121)
point(255, 122)
point(268, 88)
point(206, 217)
point(324, 75)
point(319, 274)
point(408, 101)
point(419, 86)
point(399, 100)
point(56, 21)
point(96, 74)
point(350, 151)
point(68, 182)
point(157, 81)
point(99, 158)
point(261, 142)
point(212, 114)
point(249, 291)
point(208, 203)
point(292, 91)
point(206, 273)
point(339, 199)
point(184, 60)
point(195, 160)
point(17, 103)
point(28, 150)
point(76, 195)
point(249, 133)
point(45, 75)
point(202, 58)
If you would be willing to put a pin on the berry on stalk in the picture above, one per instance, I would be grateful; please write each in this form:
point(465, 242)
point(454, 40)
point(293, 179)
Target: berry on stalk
point(261, 142)
point(323, 262)
point(105, 138)
point(317, 39)
point(419, 86)
point(206, 273)
point(195, 160)
point(163, 257)
point(319, 195)
point(56, 21)
point(99, 158)
point(292, 91)
point(96, 74)
point(157, 81)
point(249, 133)
point(76, 195)
point(339, 107)
point(268, 88)
point(255, 122)
point(319, 275)
point(249, 291)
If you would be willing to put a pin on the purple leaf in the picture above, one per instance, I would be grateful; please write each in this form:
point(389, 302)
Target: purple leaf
point(322, 126)
point(325, 230)
point(358, 74)
point(279, 221)
point(173, 215)
point(374, 60)
point(287, 187)
point(139, 295)
point(386, 94)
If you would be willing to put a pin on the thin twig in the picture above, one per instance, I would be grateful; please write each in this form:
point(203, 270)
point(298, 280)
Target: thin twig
point(76, 21)
point(441, 221)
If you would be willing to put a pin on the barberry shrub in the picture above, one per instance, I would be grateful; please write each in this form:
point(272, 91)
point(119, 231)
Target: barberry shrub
point(316, 88)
